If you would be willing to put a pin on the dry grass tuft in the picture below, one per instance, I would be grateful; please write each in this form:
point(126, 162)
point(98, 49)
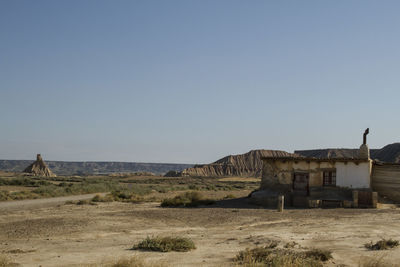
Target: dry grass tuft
point(165, 244)
point(187, 199)
point(382, 244)
point(319, 254)
point(266, 256)
point(106, 198)
point(290, 244)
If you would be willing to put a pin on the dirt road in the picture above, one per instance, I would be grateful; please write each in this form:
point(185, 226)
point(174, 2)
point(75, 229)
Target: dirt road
point(42, 203)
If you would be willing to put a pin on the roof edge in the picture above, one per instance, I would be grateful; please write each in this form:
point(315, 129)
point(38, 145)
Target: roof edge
point(315, 159)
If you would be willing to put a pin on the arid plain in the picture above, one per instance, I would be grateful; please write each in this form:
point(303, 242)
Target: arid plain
point(86, 233)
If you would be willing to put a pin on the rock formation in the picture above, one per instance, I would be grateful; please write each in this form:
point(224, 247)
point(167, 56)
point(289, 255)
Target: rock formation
point(39, 168)
point(246, 165)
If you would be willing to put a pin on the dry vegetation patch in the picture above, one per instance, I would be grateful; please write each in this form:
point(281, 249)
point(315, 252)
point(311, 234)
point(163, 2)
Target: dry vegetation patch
point(276, 257)
point(187, 199)
point(165, 244)
point(382, 244)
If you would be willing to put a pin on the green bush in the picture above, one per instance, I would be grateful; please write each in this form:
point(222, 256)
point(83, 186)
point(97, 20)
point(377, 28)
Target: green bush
point(165, 244)
point(187, 199)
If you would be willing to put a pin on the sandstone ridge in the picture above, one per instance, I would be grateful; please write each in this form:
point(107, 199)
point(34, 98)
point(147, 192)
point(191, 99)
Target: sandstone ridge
point(246, 165)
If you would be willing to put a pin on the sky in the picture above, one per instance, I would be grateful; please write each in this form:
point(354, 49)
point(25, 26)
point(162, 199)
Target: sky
point(193, 81)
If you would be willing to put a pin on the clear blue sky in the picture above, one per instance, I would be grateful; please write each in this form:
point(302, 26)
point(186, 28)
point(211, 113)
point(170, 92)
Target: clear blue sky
point(192, 81)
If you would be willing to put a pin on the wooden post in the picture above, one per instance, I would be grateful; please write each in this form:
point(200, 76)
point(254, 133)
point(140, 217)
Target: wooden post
point(375, 200)
point(355, 199)
point(281, 202)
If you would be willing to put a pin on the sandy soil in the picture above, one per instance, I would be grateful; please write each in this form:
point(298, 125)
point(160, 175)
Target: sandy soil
point(29, 204)
point(73, 235)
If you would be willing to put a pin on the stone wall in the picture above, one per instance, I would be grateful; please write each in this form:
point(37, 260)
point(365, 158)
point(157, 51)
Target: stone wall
point(348, 173)
point(386, 180)
point(281, 172)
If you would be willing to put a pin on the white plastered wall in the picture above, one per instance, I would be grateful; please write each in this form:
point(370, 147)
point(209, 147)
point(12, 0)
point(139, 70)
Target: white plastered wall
point(353, 175)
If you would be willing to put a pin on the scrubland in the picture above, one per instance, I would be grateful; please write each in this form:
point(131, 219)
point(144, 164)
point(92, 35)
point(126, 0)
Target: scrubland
point(203, 222)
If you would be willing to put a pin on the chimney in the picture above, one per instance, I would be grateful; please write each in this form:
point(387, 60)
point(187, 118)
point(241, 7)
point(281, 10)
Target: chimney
point(363, 153)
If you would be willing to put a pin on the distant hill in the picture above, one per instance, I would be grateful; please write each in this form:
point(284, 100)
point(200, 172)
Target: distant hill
point(94, 167)
point(248, 164)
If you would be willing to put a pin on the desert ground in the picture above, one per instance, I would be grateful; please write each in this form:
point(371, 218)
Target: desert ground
point(58, 232)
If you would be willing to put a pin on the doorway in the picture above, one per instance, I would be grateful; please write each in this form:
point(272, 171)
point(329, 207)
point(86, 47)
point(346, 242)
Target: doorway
point(301, 183)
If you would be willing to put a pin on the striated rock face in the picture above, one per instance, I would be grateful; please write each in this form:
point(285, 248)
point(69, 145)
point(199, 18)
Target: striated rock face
point(248, 164)
point(39, 168)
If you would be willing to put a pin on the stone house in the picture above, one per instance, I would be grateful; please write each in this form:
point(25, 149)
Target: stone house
point(315, 182)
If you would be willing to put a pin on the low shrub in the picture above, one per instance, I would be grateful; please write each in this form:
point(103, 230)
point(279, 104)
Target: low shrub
point(283, 257)
point(165, 244)
point(187, 199)
point(125, 196)
point(106, 198)
point(382, 244)
point(193, 187)
point(319, 254)
point(290, 244)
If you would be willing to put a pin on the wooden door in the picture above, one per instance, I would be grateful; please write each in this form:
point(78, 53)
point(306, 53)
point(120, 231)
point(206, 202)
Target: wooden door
point(300, 183)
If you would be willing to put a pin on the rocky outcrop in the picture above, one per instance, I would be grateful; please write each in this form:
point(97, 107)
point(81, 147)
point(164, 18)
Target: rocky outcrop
point(39, 168)
point(248, 164)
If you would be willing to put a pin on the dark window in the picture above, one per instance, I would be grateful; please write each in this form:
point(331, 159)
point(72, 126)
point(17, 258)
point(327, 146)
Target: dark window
point(329, 178)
